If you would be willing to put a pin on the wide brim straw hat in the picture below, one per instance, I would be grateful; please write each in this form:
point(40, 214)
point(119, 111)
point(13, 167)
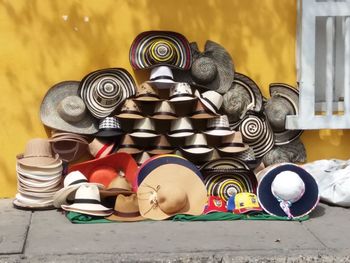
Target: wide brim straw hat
point(106, 89)
point(30, 207)
point(269, 202)
point(52, 115)
point(284, 100)
point(155, 48)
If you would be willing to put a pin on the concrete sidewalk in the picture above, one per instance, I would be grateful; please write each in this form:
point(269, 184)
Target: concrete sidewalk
point(49, 237)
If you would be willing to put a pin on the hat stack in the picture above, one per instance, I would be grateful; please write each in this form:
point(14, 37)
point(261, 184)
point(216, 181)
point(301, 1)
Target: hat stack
point(39, 175)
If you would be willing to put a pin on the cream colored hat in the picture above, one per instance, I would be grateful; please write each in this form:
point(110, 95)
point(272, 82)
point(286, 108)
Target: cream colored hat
point(218, 126)
point(164, 111)
point(181, 127)
point(197, 144)
point(211, 100)
point(144, 129)
point(161, 77)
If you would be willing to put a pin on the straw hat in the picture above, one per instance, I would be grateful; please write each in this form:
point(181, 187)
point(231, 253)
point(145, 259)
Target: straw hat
point(181, 127)
point(200, 112)
point(99, 148)
point(154, 48)
point(130, 110)
point(109, 127)
point(180, 92)
point(211, 100)
point(118, 185)
point(64, 110)
point(169, 189)
point(162, 146)
point(212, 69)
point(146, 92)
point(127, 145)
point(287, 190)
point(126, 209)
point(196, 144)
point(142, 158)
point(144, 129)
point(284, 101)
point(161, 77)
point(87, 201)
point(224, 163)
point(164, 111)
point(37, 153)
point(232, 143)
point(105, 89)
point(71, 183)
point(218, 126)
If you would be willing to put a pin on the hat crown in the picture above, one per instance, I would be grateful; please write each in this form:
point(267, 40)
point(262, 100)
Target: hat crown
point(107, 91)
point(146, 88)
point(171, 199)
point(277, 109)
point(145, 123)
point(215, 97)
point(88, 191)
point(220, 121)
point(161, 72)
point(288, 186)
point(74, 177)
point(163, 141)
point(235, 137)
point(144, 157)
point(97, 146)
point(126, 204)
point(38, 147)
point(196, 139)
point(181, 123)
point(110, 123)
point(71, 109)
point(180, 88)
point(130, 105)
point(164, 106)
point(127, 140)
point(119, 182)
point(204, 70)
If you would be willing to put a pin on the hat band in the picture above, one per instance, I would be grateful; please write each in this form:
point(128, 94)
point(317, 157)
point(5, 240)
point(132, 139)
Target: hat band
point(78, 182)
point(101, 151)
point(162, 77)
point(147, 95)
point(179, 131)
point(161, 147)
point(234, 144)
point(126, 214)
point(181, 95)
point(86, 201)
point(210, 103)
point(200, 112)
point(145, 130)
point(131, 112)
point(129, 146)
point(196, 146)
point(219, 128)
point(164, 113)
point(111, 129)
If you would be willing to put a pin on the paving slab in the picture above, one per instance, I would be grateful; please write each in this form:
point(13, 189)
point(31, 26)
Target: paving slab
point(52, 233)
point(14, 225)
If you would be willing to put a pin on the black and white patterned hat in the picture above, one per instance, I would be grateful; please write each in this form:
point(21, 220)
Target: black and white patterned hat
point(109, 127)
point(104, 90)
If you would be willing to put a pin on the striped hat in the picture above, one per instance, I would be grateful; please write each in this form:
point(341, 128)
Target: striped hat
point(104, 90)
point(257, 133)
point(154, 48)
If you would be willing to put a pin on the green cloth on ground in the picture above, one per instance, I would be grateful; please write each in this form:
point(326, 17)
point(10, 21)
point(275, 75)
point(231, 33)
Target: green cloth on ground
point(77, 218)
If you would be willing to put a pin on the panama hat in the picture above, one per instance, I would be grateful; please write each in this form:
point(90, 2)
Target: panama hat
point(164, 111)
point(71, 183)
point(162, 146)
point(287, 190)
point(105, 89)
point(244, 95)
point(144, 129)
point(87, 201)
point(218, 126)
point(30, 207)
point(154, 48)
point(118, 185)
point(181, 92)
point(257, 133)
point(284, 101)
point(210, 99)
point(242, 203)
point(104, 170)
point(64, 110)
point(169, 189)
point(130, 110)
point(181, 127)
point(146, 92)
point(99, 148)
point(127, 145)
point(197, 144)
point(232, 143)
point(212, 69)
point(201, 112)
point(109, 127)
point(37, 153)
point(126, 209)
point(161, 77)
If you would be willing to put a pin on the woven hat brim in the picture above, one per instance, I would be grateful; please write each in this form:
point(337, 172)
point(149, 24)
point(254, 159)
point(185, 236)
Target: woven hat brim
point(219, 132)
point(130, 116)
point(164, 117)
point(225, 163)
point(143, 135)
point(19, 205)
point(181, 134)
point(232, 149)
point(164, 84)
point(125, 219)
point(160, 151)
point(129, 150)
point(37, 161)
point(147, 99)
point(198, 150)
point(81, 210)
point(270, 203)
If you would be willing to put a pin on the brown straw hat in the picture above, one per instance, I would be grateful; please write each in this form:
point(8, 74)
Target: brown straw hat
point(118, 185)
point(146, 92)
point(126, 209)
point(130, 110)
point(162, 146)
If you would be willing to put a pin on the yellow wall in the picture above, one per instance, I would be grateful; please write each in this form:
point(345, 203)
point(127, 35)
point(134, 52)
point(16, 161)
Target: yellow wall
point(39, 48)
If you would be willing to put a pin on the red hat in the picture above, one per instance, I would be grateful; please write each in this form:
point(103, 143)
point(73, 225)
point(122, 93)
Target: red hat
point(105, 169)
point(215, 204)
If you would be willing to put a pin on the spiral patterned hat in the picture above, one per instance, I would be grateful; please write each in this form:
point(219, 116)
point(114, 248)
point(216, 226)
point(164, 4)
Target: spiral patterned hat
point(104, 90)
point(154, 48)
point(257, 133)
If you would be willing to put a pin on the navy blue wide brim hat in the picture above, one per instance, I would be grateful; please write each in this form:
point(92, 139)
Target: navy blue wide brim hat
point(269, 202)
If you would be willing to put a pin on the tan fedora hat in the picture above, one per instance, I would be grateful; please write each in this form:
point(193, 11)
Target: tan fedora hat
point(130, 110)
point(118, 185)
point(164, 111)
point(126, 209)
point(99, 148)
point(181, 127)
point(233, 143)
point(197, 144)
point(218, 126)
point(200, 112)
point(144, 128)
point(181, 92)
point(212, 100)
point(171, 189)
point(146, 92)
point(162, 146)
point(127, 145)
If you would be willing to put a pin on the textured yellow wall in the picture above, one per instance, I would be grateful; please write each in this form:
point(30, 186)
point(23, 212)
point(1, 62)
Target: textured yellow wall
point(44, 42)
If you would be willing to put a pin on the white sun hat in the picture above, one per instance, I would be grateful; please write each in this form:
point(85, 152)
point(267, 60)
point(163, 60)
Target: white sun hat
point(181, 127)
point(218, 126)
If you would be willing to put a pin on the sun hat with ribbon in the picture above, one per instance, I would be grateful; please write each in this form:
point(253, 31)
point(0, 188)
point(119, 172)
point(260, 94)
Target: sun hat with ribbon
point(170, 188)
point(180, 92)
point(87, 201)
point(161, 146)
point(71, 183)
point(284, 101)
point(164, 111)
point(212, 69)
point(146, 92)
point(126, 209)
point(201, 112)
point(38, 153)
point(196, 144)
point(144, 128)
point(232, 143)
point(154, 48)
point(104, 170)
point(242, 203)
point(130, 110)
point(99, 148)
point(63, 109)
point(218, 126)
point(287, 190)
point(182, 127)
point(104, 90)
point(127, 145)
point(109, 127)
point(211, 100)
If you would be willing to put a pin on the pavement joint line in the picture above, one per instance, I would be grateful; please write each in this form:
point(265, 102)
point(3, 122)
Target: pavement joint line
point(27, 233)
point(315, 236)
